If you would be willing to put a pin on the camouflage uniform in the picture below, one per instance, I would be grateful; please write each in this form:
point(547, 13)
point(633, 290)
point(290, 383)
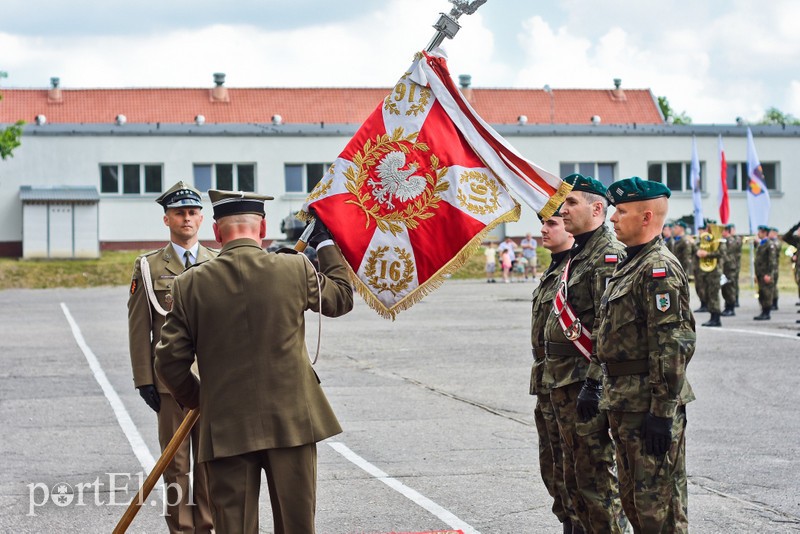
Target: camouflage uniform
point(684, 250)
point(731, 268)
point(587, 446)
point(775, 291)
point(707, 282)
point(766, 263)
point(646, 338)
point(551, 462)
point(790, 238)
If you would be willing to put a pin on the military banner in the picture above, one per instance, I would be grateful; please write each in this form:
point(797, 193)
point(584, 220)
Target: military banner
point(415, 192)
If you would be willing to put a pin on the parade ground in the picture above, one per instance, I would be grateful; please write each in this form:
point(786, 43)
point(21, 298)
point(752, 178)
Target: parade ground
point(438, 423)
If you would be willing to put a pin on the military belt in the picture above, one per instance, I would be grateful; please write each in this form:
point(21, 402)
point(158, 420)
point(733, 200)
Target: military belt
point(538, 353)
point(552, 348)
point(632, 367)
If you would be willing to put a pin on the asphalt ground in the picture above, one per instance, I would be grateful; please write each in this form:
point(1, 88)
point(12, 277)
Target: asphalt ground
point(438, 423)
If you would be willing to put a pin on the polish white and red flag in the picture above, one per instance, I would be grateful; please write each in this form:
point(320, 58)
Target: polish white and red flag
point(419, 186)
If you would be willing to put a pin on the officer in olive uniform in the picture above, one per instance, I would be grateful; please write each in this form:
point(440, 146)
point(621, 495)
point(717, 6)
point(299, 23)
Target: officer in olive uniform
point(151, 297)
point(569, 342)
point(683, 247)
point(730, 268)
point(766, 264)
point(645, 341)
point(792, 238)
point(773, 235)
point(708, 282)
point(261, 404)
point(551, 464)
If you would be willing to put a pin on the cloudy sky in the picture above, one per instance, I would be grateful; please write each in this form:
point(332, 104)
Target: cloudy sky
point(713, 59)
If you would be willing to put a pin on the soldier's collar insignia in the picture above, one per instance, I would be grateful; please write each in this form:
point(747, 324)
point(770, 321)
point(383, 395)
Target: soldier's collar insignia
point(659, 272)
point(662, 302)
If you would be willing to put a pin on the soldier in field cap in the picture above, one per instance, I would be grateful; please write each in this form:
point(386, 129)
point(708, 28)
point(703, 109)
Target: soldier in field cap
point(151, 297)
point(569, 341)
point(645, 341)
point(262, 407)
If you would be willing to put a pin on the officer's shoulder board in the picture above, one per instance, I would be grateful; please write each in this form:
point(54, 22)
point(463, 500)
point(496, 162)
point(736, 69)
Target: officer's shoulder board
point(138, 270)
point(286, 250)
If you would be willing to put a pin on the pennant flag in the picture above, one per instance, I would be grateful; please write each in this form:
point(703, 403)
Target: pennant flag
point(694, 179)
point(419, 186)
point(757, 194)
point(724, 205)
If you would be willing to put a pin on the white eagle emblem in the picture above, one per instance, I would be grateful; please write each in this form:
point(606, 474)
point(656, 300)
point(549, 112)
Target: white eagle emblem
point(395, 181)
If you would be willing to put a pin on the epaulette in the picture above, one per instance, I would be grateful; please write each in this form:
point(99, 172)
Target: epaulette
point(286, 250)
point(150, 253)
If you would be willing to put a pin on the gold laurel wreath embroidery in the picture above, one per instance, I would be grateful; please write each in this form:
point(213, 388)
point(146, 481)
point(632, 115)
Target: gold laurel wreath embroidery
point(370, 271)
point(320, 190)
point(481, 209)
point(390, 104)
point(415, 212)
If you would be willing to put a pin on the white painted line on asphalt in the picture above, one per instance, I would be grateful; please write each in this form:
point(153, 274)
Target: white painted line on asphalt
point(138, 445)
point(418, 499)
point(756, 332)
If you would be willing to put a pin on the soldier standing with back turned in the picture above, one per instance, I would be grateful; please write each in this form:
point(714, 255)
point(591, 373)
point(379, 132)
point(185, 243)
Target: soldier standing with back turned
point(645, 341)
point(569, 336)
point(551, 464)
point(188, 508)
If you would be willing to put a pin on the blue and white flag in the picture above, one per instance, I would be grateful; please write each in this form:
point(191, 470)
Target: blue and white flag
point(757, 193)
point(697, 191)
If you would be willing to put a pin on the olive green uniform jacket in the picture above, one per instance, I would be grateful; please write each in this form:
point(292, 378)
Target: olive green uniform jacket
point(645, 316)
point(684, 249)
point(243, 315)
point(590, 270)
point(144, 323)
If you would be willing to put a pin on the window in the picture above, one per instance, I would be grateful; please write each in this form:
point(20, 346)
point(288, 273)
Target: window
point(741, 179)
point(604, 172)
point(228, 176)
point(677, 175)
point(302, 177)
point(131, 178)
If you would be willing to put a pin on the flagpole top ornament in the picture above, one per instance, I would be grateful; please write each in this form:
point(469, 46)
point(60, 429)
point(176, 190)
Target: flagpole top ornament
point(447, 25)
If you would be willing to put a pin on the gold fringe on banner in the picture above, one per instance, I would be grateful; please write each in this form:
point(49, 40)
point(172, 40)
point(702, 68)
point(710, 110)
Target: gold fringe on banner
point(438, 278)
point(555, 201)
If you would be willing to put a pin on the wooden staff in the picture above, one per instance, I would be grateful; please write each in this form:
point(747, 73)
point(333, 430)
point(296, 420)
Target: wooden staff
point(162, 463)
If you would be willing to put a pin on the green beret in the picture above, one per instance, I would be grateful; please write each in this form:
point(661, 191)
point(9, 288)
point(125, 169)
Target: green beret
point(556, 213)
point(763, 227)
point(635, 189)
point(588, 184)
point(682, 224)
point(775, 229)
point(730, 226)
point(236, 203)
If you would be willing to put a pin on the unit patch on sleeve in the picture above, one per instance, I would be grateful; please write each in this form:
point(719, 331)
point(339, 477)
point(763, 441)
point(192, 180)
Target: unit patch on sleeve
point(659, 272)
point(612, 258)
point(662, 302)
point(134, 285)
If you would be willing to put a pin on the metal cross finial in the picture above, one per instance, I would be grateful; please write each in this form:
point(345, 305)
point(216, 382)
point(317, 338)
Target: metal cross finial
point(447, 25)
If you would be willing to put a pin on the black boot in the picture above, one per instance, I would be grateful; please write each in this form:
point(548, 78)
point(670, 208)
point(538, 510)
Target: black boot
point(728, 311)
point(775, 304)
point(764, 315)
point(702, 308)
point(567, 526)
point(714, 321)
point(737, 303)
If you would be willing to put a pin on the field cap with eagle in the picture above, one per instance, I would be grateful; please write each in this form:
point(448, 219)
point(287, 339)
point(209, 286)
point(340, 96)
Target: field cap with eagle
point(236, 203)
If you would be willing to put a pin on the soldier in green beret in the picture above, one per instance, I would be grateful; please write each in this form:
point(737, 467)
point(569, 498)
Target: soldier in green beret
point(731, 266)
point(151, 297)
point(262, 408)
point(646, 338)
point(574, 384)
point(683, 247)
point(558, 241)
point(792, 238)
point(774, 236)
point(711, 256)
point(766, 264)
point(666, 235)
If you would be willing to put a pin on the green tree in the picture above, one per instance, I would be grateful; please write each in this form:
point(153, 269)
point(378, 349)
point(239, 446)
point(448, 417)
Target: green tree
point(10, 138)
point(775, 116)
point(669, 113)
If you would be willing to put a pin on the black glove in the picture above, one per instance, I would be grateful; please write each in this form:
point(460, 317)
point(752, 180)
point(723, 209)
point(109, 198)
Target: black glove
point(657, 434)
point(319, 234)
point(150, 396)
point(589, 399)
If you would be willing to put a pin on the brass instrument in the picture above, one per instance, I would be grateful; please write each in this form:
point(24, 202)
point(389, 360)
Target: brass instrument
point(710, 240)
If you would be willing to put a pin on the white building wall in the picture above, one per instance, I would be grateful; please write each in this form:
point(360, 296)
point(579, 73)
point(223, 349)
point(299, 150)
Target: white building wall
point(75, 160)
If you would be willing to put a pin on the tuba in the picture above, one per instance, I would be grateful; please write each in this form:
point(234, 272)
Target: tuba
point(709, 240)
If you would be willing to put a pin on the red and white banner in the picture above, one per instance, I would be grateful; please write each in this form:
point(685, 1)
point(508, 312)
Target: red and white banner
point(415, 191)
point(724, 204)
